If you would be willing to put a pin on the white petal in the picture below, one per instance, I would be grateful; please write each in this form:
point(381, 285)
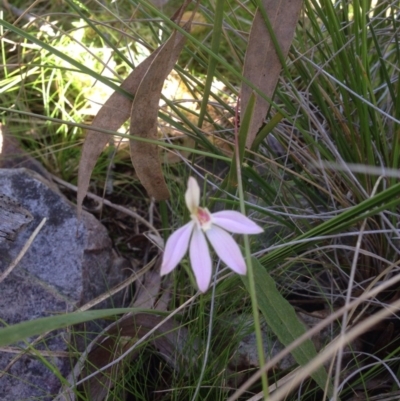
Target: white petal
point(192, 195)
point(200, 259)
point(235, 222)
point(227, 249)
point(176, 248)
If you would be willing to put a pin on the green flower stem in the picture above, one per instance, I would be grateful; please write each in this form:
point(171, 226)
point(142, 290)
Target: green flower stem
point(240, 141)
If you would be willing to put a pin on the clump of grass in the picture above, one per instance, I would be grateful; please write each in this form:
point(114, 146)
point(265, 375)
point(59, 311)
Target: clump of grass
point(331, 230)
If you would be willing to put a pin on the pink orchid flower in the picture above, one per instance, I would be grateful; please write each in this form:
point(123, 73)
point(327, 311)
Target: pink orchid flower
point(211, 225)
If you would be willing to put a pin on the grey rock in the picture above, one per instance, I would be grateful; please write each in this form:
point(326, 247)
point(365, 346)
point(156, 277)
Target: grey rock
point(70, 262)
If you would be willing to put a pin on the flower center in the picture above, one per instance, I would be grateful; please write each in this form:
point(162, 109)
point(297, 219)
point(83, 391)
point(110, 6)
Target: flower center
point(203, 217)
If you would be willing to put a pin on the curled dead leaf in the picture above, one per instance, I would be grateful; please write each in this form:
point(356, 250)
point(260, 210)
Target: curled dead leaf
point(262, 65)
point(111, 116)
point(145, 156)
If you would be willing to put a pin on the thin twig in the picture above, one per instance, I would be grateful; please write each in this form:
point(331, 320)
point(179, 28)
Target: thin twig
point(110, 204)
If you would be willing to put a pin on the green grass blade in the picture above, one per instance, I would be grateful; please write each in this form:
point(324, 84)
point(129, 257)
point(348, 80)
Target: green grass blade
point(18, 332)
point(212, 63)
point(369, 207)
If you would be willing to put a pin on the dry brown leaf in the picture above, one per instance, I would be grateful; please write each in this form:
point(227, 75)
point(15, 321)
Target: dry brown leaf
point(145, 156)
point(147, 290)
point(262, 65)
point(111, 116)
